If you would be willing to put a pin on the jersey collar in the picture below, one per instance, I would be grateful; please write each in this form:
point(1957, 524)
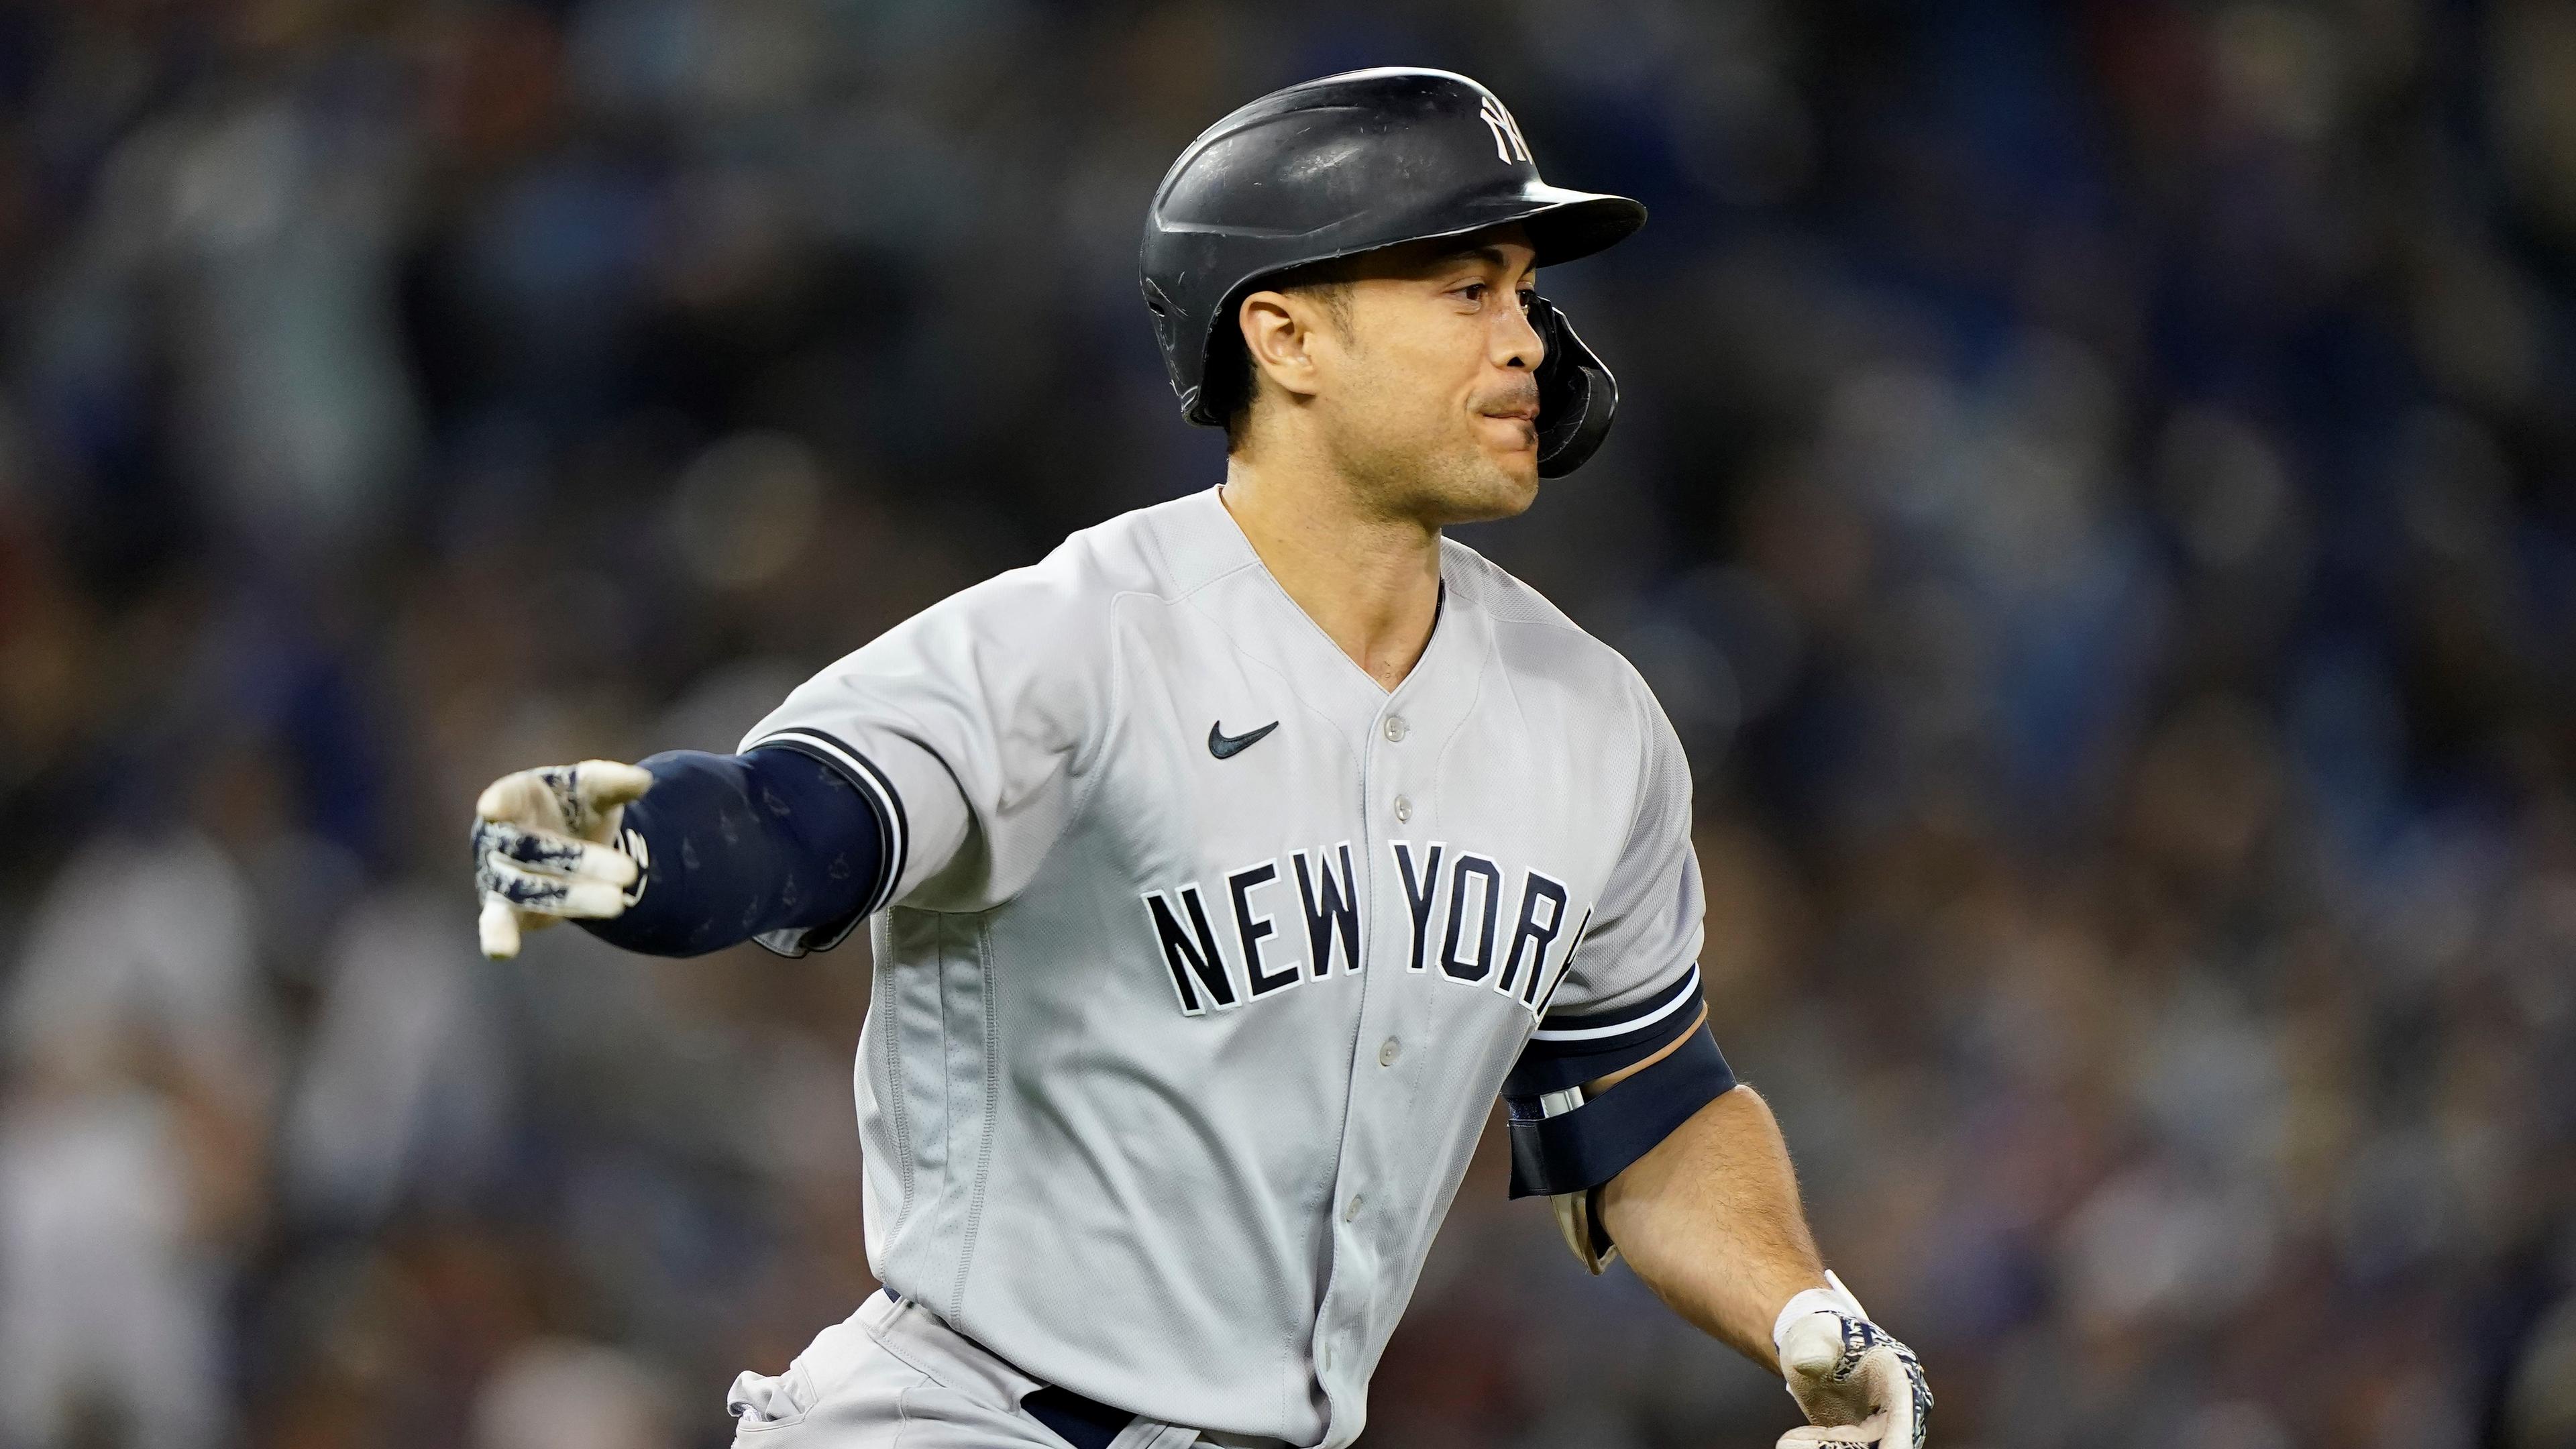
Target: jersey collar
point(1212, 560)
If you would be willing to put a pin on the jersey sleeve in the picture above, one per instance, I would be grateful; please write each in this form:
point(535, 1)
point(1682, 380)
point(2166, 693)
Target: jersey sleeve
point(972, 728)
point(1632, 985)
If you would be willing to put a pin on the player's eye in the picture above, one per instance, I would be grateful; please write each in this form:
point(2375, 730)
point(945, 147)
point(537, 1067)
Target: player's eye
point(1528, 299)
point(1473, 291)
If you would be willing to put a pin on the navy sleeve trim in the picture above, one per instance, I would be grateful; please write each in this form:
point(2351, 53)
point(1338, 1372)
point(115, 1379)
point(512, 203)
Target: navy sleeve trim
point(893, 830)
point(1609, 1025)
point(1577, 1150)
point(1567, 1051)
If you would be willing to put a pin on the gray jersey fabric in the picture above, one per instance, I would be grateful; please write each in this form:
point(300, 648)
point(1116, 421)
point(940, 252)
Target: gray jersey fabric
point(1202, 956)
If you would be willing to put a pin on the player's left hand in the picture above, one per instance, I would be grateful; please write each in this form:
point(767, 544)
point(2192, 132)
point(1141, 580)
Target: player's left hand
point(1859, 1388)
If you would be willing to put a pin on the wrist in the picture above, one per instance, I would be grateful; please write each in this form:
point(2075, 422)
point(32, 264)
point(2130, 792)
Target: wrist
point(1821, 1299)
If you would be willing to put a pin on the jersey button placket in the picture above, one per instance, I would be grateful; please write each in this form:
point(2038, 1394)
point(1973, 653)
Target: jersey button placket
point(1395, 729)
point(1342, 1321)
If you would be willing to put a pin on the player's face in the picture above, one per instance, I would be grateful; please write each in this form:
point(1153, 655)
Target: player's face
point(1431, 395)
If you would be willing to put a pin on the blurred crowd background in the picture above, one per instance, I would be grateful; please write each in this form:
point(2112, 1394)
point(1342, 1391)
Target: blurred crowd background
point(2096, 489)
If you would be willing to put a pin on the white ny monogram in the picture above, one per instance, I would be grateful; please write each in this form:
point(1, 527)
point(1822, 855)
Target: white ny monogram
point(1507, 132)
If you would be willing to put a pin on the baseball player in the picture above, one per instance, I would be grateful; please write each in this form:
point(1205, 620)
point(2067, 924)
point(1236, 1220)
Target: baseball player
point(1224, 866)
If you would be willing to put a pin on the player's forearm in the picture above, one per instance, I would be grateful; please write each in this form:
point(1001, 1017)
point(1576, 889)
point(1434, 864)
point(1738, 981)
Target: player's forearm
point(735, 846)
point(1711, 1221)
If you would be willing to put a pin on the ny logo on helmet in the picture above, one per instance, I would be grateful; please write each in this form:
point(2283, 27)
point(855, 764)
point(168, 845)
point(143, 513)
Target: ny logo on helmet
point(1507, 132)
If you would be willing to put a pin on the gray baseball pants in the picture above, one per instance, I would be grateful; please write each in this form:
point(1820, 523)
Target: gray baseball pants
point(892, 1376)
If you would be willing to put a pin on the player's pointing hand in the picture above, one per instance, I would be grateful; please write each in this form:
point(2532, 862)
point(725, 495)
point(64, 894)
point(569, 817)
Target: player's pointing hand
point(546, 848)
point(1859, 1388)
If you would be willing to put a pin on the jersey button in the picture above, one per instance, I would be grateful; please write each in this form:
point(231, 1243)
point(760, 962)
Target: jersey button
point(1387, 1054)
point(1351, 1214)
point(1395, 728)
point(1403, 809)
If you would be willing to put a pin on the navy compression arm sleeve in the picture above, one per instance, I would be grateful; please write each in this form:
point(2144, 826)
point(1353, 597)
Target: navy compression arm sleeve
point(736, 846)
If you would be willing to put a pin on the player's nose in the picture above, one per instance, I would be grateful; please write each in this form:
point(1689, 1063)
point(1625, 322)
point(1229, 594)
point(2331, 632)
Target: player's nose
point(1517, 342)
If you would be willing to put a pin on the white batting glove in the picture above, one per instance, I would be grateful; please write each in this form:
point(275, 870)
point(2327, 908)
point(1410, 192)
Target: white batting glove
point(546, 849)
point(1859, 1388)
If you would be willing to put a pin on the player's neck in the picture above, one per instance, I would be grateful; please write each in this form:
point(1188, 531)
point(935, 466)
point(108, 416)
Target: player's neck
point(1370, 582)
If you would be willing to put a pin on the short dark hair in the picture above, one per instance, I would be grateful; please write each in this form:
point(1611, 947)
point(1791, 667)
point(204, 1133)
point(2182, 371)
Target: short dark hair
point(1227, 384)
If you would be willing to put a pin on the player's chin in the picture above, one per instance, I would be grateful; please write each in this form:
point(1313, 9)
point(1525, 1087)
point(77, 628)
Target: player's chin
point(1492, 489)
point(1514, 470)
point(1491, 475)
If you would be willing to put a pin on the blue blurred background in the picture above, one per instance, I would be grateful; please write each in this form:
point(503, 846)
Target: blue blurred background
point(2096, 491)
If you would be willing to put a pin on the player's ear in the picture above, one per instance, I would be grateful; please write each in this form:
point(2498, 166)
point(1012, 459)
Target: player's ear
point(1278, 334)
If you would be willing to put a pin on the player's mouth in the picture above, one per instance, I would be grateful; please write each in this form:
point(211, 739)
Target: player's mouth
point(1522, 420)
point(1520, 410)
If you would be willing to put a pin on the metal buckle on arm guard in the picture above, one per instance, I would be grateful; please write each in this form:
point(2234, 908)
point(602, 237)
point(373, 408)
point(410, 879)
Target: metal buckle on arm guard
point(1578, 1214)
point(1566, 1144)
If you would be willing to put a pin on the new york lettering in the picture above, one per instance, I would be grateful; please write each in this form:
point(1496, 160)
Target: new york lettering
point(1239, 940)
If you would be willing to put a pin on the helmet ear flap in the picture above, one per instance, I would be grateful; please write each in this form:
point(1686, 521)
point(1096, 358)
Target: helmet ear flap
point(1577, 396)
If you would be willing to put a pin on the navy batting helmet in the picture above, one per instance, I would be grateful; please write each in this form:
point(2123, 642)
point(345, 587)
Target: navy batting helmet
point(1348, 164)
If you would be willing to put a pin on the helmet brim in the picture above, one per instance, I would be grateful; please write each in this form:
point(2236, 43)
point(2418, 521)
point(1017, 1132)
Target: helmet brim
point(1563, 225)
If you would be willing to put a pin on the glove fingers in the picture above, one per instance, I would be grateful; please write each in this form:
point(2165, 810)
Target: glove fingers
point(1891, 1390)
point(1810, 1351)
point(499, 927)
point(1841, 1370)
point(1812, 1347)
point(603, 785)
point(547, 851)
point(496, 928)
point(524, 797)
point(587, 795)
point(548, 895)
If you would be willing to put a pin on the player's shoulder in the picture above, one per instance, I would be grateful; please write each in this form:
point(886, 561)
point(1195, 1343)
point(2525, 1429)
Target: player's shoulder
point(1051, 624)
point(1567, 681)
point(1535, 639)
point(1164, 549)
point(1150, 551)
point(1073, 588)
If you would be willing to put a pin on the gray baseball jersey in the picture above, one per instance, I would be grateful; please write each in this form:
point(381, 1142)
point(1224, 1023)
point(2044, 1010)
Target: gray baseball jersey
point(1202, 956)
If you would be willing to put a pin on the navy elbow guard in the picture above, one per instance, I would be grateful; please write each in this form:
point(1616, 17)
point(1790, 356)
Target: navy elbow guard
point(1566, 1146)
point(778, 845)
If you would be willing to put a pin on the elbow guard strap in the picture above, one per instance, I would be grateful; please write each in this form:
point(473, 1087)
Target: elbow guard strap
point(1579, 1149)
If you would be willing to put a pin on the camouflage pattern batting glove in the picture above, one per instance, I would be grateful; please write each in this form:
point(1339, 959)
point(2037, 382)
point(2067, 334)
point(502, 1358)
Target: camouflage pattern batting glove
point(1859, 1388)
point(546, 848)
